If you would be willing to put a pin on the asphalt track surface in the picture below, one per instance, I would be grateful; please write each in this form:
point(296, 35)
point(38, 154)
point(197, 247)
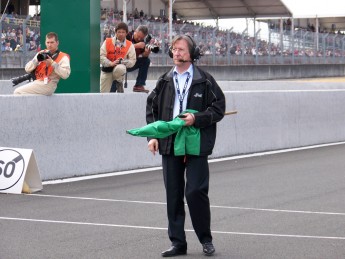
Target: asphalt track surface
point(280, 205)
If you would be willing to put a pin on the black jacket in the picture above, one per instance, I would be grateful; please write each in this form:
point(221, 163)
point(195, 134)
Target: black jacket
point(204, 95)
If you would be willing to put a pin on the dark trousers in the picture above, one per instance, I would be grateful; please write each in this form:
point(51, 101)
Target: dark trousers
point(143, 65)
point(196, 188)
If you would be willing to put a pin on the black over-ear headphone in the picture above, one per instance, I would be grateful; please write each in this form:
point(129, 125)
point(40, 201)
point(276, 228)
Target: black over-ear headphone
point(194, 52)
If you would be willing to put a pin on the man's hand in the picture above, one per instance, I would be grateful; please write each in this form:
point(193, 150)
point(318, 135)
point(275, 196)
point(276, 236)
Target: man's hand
point(49, 61)
point(189, 119)
point(146, 53)
point(153, 146)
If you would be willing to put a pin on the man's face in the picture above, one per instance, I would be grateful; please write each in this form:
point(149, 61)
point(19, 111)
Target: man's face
point(121, 34)
point(138, 36)
point(52, 44)
point(180, 52)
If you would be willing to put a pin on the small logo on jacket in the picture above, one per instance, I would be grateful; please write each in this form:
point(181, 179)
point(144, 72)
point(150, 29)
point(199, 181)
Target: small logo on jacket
point(197, 95)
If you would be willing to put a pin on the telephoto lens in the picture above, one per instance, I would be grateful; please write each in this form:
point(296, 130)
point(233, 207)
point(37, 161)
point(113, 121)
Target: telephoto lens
point(20, 79)
point(43, 56)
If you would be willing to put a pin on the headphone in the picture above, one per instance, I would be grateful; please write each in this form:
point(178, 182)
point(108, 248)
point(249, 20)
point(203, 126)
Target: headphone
point(194, 51)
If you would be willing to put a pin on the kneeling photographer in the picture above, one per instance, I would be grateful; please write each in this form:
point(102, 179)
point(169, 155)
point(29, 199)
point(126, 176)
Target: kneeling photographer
point(116, 55)
point(45, 69)
point(141, 40)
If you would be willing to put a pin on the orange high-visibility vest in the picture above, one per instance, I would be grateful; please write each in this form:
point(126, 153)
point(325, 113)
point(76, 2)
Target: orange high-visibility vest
point(117, 52)
point(43, 71)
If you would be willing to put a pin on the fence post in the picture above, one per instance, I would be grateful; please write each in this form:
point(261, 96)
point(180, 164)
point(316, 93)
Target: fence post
point(242, 45)
point(324, 47)
point(2, 18)
point(228, 40)
point(256, 46)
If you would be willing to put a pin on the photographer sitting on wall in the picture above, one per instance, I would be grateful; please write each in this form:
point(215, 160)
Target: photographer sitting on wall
point(116, 55)
point(46, 69)
point(141, 41)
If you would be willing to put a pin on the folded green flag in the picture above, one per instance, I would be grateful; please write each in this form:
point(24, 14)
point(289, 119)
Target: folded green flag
point(187, 139)
point(158, 129)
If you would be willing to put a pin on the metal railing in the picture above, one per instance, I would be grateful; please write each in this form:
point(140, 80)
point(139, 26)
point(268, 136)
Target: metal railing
point(226, 47)
point(18, 58)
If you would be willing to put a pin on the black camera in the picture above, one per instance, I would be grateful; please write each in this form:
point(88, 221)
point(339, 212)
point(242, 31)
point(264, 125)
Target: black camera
point(20, 79)
point(152, 47)
point(43, 56)
point(123, 61)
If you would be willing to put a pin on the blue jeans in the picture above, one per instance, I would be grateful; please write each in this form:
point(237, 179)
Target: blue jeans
point(143, 65)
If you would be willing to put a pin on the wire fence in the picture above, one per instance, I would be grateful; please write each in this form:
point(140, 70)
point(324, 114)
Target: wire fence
point(218, 47)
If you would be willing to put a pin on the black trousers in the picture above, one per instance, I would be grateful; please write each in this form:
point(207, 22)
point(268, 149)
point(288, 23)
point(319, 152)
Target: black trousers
point(195, 186)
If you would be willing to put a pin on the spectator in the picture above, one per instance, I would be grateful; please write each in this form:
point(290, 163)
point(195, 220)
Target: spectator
point(20, 37)
point(136, 14)
point(13, 33)
point(32, 46)
point(13, 42)
point(18, 48)
point(48, 66)
point(116, 55)
point(8, 46)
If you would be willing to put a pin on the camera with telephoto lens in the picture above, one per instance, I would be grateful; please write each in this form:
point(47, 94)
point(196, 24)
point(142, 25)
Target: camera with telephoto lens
point(20, 79)
point(152, 47)
point(43, 56)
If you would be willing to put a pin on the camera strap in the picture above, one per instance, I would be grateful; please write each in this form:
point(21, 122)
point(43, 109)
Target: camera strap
point(55, 55)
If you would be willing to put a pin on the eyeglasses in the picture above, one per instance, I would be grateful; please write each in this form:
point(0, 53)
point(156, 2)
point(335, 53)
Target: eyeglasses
point(181, 51)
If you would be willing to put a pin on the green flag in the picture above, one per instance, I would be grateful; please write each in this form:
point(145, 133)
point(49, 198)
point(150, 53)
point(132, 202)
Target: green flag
point(158, 129)
point(187, 139)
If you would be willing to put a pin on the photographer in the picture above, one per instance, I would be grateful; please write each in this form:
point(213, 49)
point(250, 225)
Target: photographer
point(138, 37)
point(116, 55)
point(48, 66)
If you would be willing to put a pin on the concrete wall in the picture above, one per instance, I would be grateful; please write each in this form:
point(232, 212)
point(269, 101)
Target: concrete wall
point(235, 73)
point(7, 88)
point(83, 134)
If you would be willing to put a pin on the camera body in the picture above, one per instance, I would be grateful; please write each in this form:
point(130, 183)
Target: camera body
point(20, 79)
point(123, 61)
point(43, 56)
point(152, 47)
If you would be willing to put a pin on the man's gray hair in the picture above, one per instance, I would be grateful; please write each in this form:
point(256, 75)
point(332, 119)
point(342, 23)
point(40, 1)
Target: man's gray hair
point(143, 29)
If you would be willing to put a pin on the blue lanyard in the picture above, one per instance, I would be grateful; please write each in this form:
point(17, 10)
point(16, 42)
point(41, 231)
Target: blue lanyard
point(181, 96)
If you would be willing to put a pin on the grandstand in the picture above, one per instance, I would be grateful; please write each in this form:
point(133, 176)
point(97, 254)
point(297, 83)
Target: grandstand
point(283, 45)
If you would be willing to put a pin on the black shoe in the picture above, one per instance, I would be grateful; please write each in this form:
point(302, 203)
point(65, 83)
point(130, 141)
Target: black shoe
point(175, 251)
point(208, 248)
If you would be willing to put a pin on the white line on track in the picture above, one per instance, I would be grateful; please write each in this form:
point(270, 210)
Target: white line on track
point(165, 229)
point(89, 177)
point(212, 206)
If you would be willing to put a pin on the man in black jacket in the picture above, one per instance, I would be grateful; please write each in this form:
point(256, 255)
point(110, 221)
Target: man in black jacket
point(186, 87)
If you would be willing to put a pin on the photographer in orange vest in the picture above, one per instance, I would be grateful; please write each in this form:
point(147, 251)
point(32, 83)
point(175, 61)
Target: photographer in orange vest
point(116, 55)
point(46, 68)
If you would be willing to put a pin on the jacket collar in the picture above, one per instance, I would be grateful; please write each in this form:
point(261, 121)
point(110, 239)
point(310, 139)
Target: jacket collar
point(197, 76)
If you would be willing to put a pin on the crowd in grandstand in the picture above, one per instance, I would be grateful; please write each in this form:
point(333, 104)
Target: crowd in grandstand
point(210, 40)
point(13, 38)
point(223, 42)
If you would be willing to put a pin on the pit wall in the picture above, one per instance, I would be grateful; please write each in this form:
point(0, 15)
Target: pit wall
point(235, 73)
point(84, 134)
